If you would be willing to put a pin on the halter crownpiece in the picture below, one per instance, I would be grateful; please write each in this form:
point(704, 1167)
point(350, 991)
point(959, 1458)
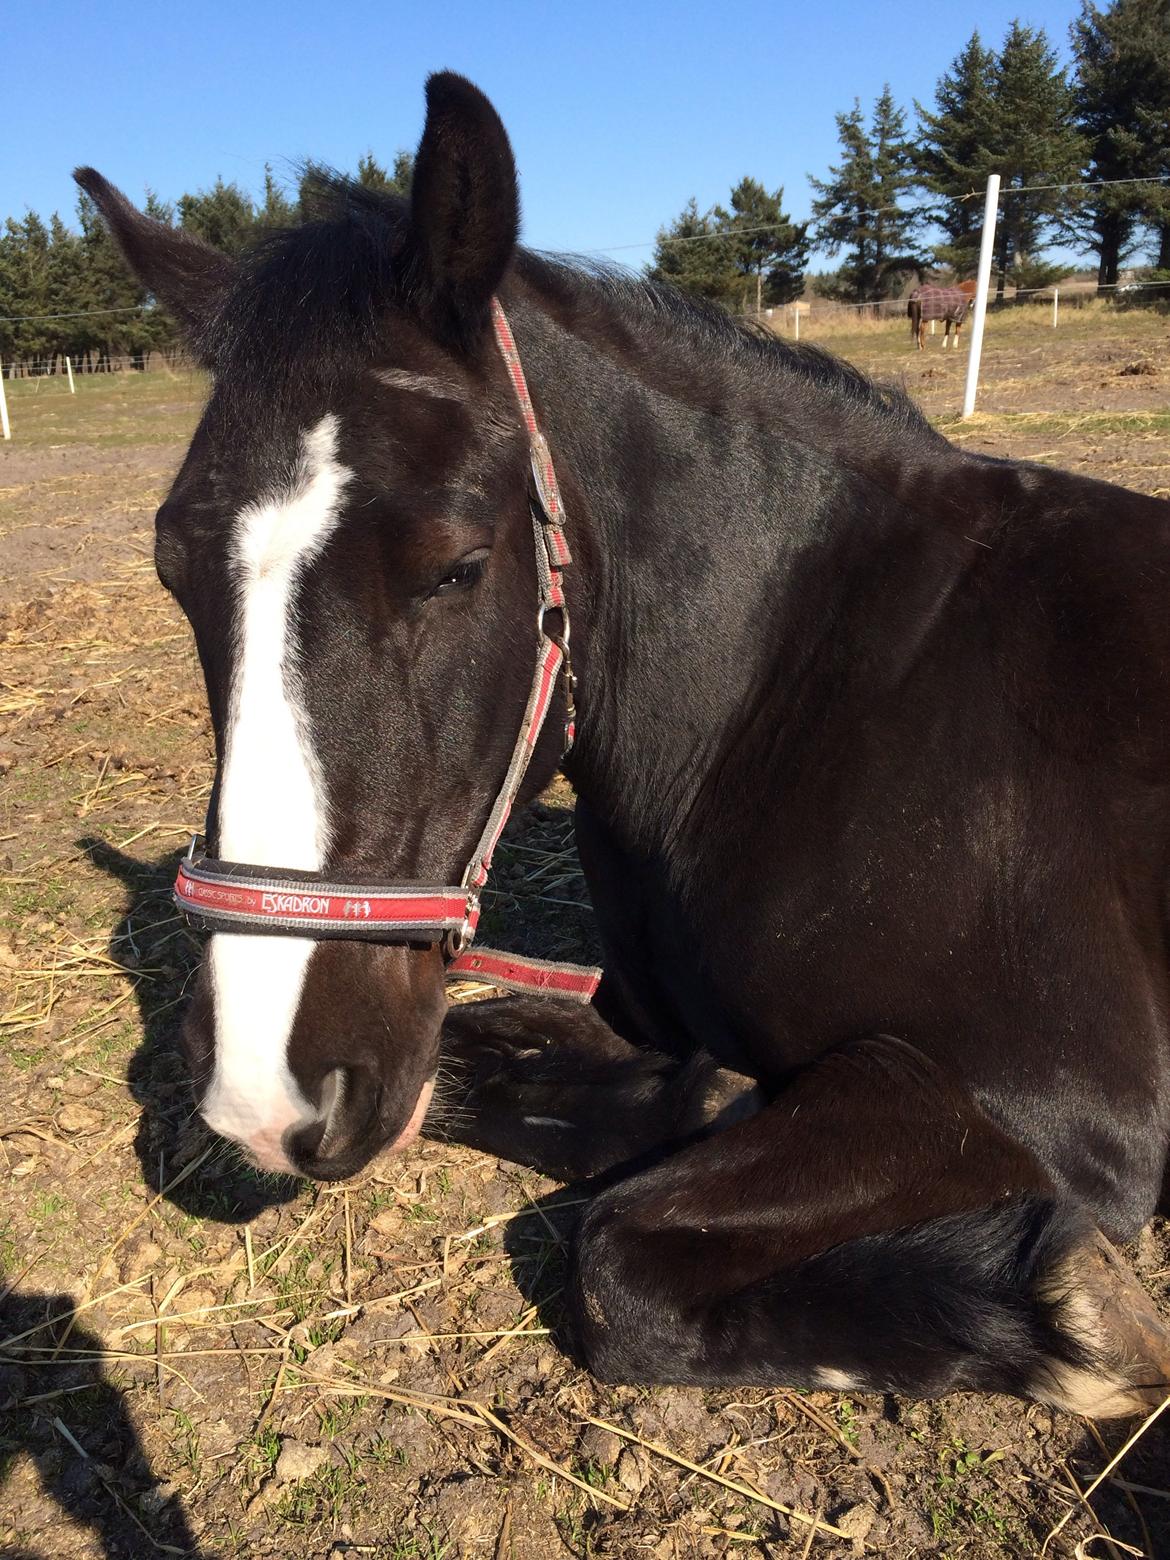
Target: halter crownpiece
point(224, 896)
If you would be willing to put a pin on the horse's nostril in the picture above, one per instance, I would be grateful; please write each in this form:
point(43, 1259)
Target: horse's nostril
point(335, 1092)
point(305, 1142)
point(312, 1140)
point(332, 1093)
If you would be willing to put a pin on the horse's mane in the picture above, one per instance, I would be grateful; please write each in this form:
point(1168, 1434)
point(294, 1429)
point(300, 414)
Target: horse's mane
point(668, 320)
point(311, 299)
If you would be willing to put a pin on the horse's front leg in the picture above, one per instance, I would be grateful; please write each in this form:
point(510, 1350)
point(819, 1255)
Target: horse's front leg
point(551, 1085)
point(869, 1229)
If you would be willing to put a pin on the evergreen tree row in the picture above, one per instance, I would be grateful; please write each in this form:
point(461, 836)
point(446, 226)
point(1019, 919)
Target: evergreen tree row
point(1012, 111)
point(71, 295)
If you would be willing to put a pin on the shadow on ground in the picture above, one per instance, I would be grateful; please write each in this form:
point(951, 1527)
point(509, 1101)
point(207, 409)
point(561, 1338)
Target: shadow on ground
point(149, 937)
point(62, 1411)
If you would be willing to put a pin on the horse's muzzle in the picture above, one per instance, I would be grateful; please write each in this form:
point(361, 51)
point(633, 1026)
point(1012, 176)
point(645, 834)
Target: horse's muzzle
point(352, 1128)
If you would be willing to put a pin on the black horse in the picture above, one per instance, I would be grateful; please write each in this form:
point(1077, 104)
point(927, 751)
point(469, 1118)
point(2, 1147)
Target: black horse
point(872, 759)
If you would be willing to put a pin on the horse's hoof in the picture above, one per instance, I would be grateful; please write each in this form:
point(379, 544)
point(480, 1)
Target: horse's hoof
point(1100, 1303)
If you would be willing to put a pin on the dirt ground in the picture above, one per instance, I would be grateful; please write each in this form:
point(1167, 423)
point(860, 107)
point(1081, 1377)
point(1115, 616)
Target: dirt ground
point(196, 1359)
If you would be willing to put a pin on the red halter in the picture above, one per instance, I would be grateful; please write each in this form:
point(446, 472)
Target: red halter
point(224, 896)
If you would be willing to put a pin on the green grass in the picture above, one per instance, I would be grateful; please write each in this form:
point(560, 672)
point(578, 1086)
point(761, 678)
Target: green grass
point(385, 1454)
point(847, 1419)
point(47, 1204)
point(108, 409)
point(318, 1499)
point(301, 1293)
point(185, 1439)
point(597, 1475)
point(265, 1449)
point(412, 1546)
point(340, 1415)
point(960, 1504)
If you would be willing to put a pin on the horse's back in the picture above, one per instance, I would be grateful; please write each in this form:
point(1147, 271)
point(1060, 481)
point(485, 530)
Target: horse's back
point(940, 303)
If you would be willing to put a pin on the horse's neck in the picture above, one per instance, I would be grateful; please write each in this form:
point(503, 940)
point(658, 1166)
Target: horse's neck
point(672, 532)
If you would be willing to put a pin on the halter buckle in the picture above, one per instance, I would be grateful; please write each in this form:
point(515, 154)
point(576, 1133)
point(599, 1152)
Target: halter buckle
point(453, 943)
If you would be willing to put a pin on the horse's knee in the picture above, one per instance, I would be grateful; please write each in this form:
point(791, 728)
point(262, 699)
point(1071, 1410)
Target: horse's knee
point(623, 1316)
point(600, 1290)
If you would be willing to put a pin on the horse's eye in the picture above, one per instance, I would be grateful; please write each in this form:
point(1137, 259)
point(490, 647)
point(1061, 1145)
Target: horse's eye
point(464, 574)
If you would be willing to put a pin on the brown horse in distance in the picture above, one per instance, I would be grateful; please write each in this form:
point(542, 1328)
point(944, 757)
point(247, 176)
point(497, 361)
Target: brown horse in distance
point(940, 303)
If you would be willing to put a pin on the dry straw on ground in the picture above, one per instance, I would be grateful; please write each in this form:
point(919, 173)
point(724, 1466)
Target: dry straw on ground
point(171, 1324)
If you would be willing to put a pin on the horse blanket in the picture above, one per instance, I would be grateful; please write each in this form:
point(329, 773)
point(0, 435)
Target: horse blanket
point(942, 303)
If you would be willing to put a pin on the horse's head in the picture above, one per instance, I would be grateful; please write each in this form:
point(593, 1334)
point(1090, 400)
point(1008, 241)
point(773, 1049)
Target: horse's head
point(349, 538)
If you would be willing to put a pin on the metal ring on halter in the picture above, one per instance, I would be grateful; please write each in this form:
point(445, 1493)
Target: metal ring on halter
point(561, 639)
point(453, 943)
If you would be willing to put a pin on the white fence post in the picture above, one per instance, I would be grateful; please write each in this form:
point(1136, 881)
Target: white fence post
point(4, 428)
point(1055, 306)
point(982, 282)
point(69, 371)
point(796, 311)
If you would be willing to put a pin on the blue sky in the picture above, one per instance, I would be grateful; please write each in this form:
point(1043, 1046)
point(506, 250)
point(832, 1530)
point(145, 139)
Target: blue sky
point(619, 110)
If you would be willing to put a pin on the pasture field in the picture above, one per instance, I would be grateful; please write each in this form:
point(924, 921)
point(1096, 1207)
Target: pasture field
point(196, 1359)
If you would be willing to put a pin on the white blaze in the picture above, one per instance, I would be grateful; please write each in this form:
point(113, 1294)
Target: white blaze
point(272, 807)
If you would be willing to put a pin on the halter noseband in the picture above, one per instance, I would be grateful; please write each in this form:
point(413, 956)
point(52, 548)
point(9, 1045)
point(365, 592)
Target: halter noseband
point(225, 896)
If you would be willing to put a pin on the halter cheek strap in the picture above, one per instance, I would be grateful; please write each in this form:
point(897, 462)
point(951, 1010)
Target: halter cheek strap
point(223, 896)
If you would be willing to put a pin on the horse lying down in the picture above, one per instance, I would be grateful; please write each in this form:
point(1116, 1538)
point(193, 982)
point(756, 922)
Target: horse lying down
point(872, 752)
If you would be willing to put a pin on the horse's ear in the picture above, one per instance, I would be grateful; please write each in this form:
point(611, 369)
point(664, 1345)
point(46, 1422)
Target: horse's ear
point(464, 207)
point(187, 276)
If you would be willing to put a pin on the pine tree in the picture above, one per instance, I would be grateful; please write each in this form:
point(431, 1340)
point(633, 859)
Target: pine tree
point(153, 329)
point(1123, 108)
point(1011, 113)
point(769, 250)
point(691, 256)
point(35, 290)
point(402, 173)
point(373, 175)
point(277, 211)
point(66, 280)
point(111, 298)
point(15, 291)
point(223, 216)
point(10, 298)
point(1032, 139)
point(1154, 125)
point(952, 158)
point(862, 207)
point(317, 181)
